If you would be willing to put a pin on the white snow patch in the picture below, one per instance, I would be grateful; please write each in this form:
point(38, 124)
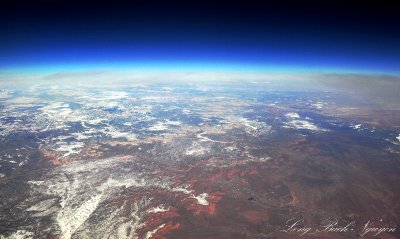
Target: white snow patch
point(61, 112)
point(79, 188)
point(70, 221)
point(248, 124)
point(255, 127)
point(160, 126)
point(37, 183)
point(318, 105)
point(357, 126)
point(129, 182)
point(201, 199)
point(173, 122)
point(80, 136)
point(70, 149)
point(4, 94)
point(126, 135)
point(204, 138)
point(115, 133)
point(157, 209)
point(21, 234)
point(22, 163)
point(292, 115)
point(96, 121)
point(186, 111)
point(303, 124)
point(196, 150)
point(149, 234)
point(42, 205)
point(182, 189)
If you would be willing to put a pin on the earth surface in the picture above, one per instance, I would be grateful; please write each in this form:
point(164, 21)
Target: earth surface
point(229, 159)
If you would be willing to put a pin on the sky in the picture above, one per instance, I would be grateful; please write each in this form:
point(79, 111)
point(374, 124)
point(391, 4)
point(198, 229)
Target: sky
point(241, 35)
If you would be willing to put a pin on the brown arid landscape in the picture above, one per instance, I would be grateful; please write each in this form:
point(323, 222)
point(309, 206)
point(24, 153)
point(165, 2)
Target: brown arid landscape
point(206, 159)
